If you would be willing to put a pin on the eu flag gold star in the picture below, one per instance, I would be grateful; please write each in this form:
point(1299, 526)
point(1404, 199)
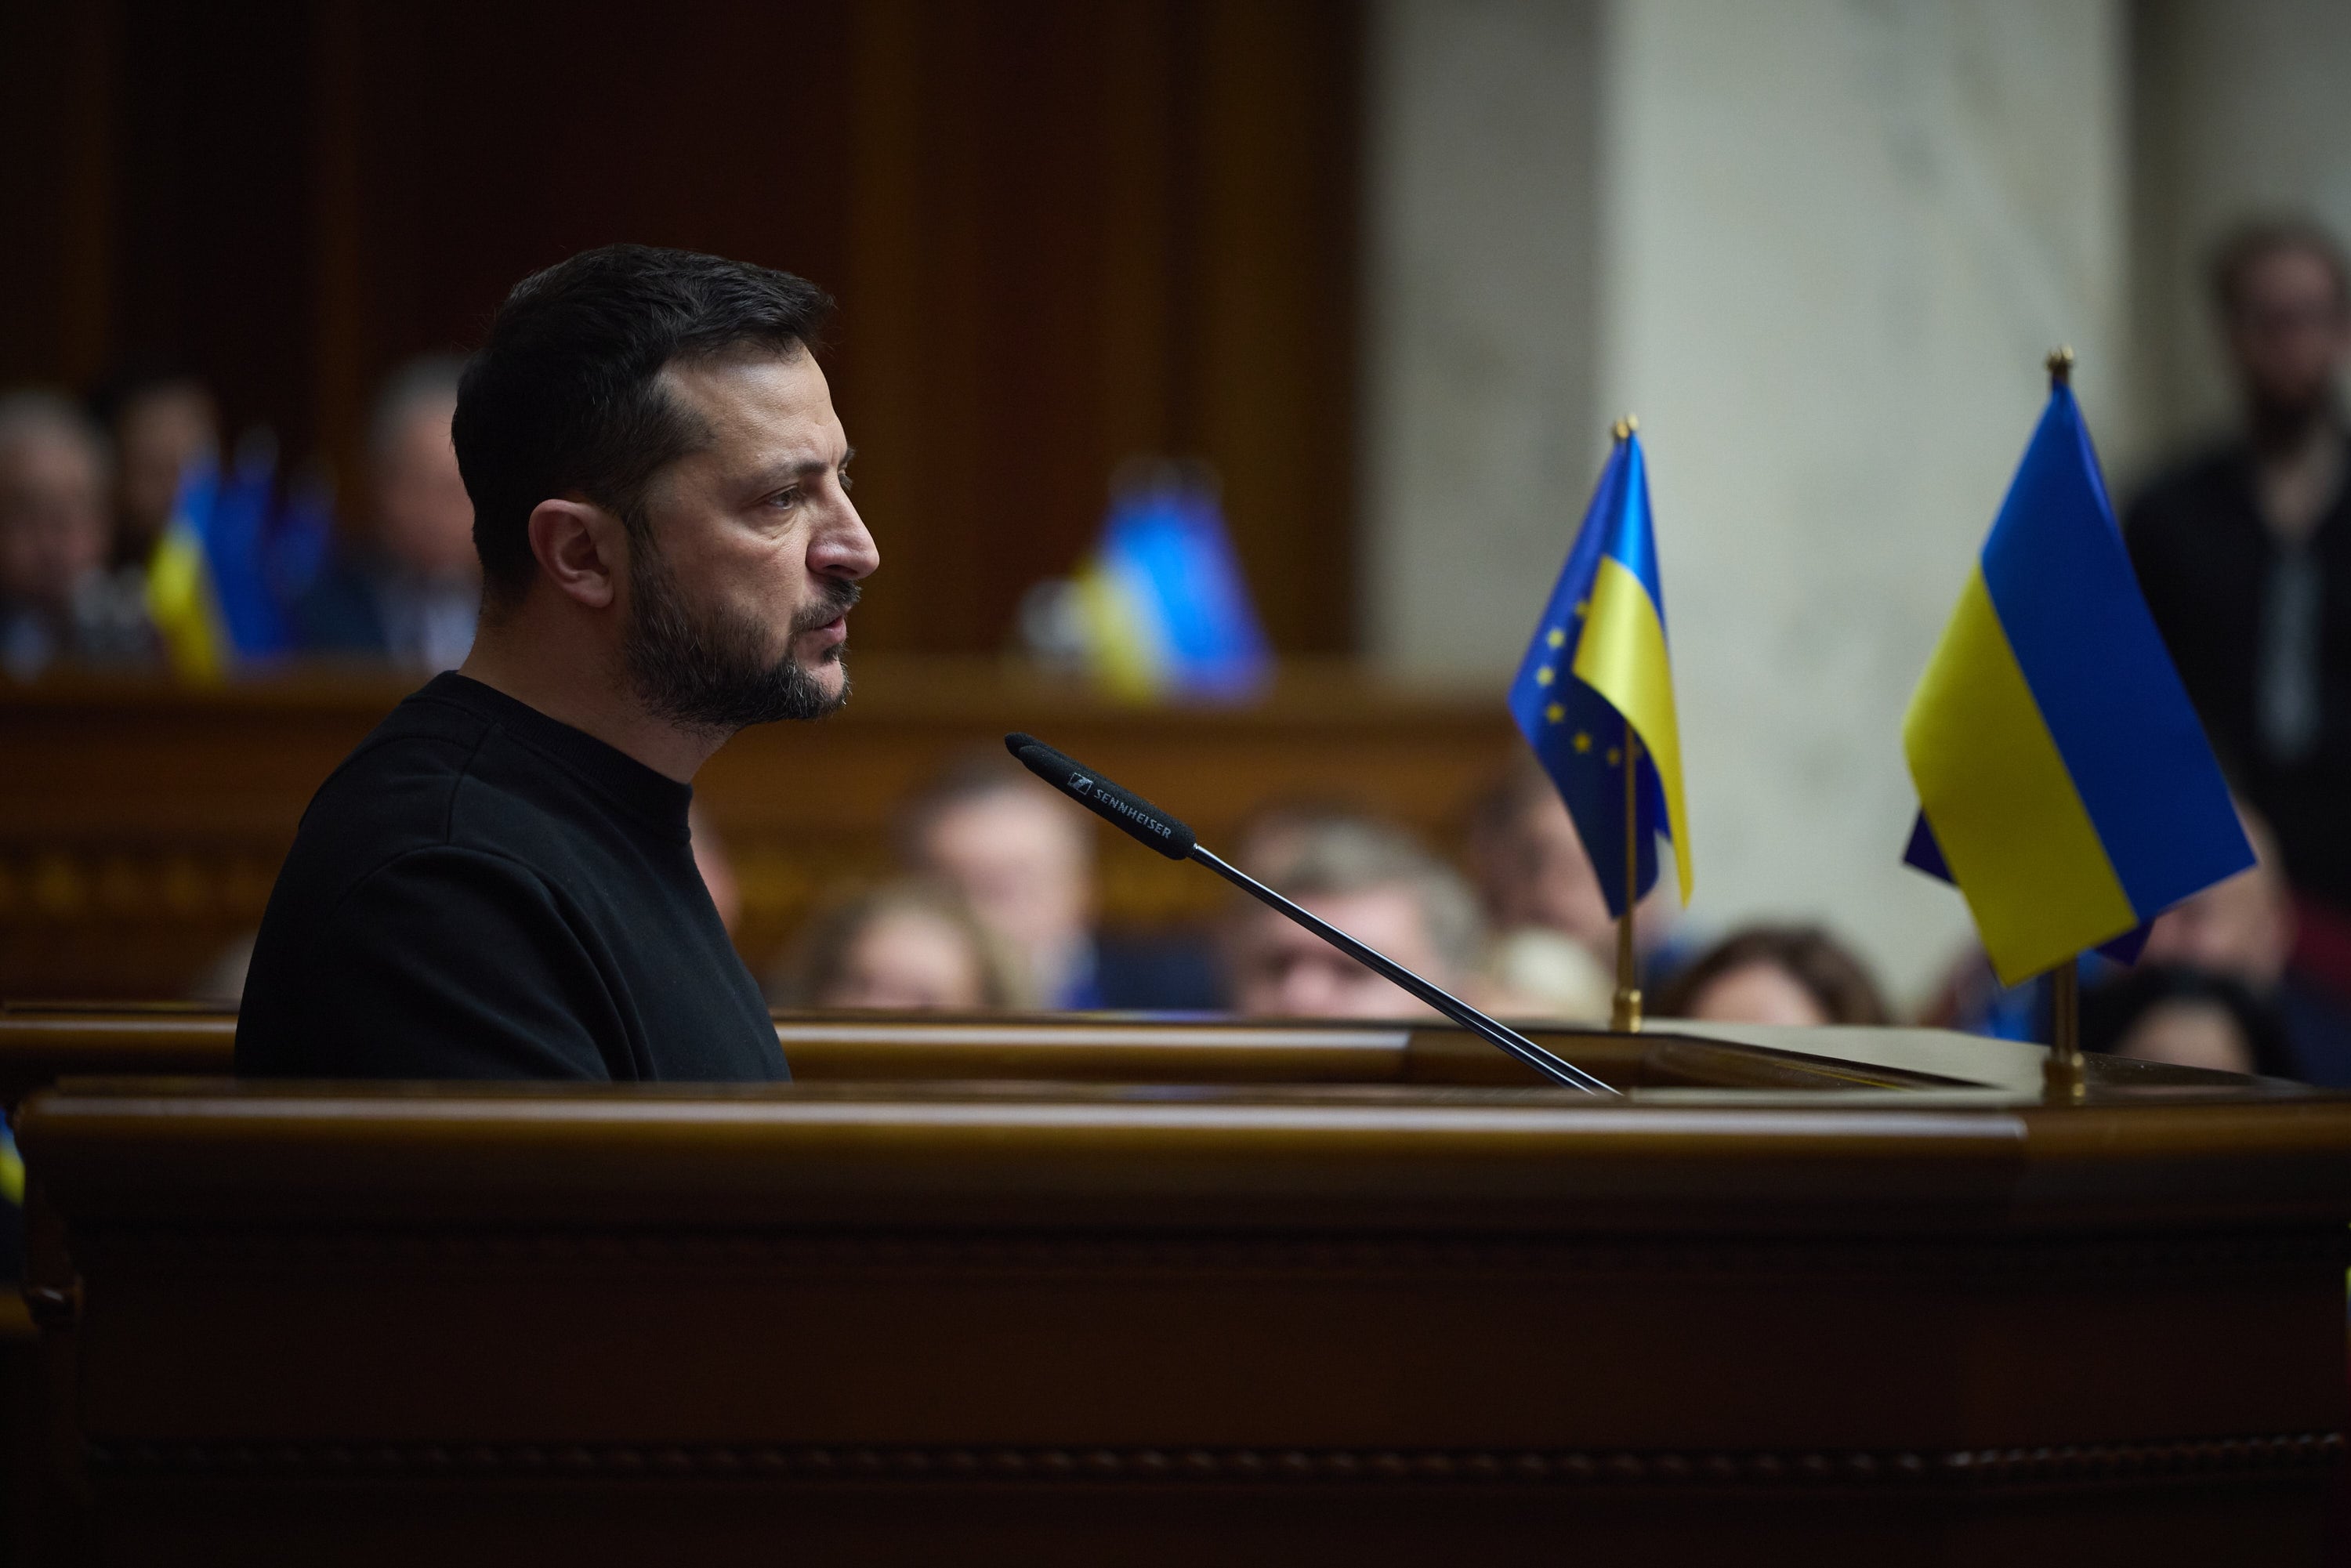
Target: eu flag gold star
point(1555, 713)
point(1558, 639)
point(1543, 676)
point(1583, 608)
point(1614, 756)
point(1583, 740)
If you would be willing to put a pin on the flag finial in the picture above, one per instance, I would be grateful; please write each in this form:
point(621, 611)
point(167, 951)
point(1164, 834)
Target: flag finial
point(2061, 365)
point(1623, 428)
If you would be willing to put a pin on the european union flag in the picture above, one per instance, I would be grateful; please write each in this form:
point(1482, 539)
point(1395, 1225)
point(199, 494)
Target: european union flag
point(2064, 781)
point(1597, 675)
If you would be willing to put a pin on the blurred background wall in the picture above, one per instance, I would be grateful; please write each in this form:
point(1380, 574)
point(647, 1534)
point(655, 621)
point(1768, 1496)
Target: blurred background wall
point(1391, 266)
point(1820, 248)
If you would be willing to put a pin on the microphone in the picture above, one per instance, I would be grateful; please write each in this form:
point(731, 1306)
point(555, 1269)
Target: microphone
point(1148, 825)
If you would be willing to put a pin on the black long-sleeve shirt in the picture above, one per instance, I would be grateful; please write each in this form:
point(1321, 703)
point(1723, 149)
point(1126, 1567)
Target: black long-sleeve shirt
point(482, 892)
point(2209, 566)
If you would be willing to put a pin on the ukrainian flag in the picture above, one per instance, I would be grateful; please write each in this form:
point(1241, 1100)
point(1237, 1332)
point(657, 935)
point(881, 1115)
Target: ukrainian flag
point(1163, 603)
point(181, 597)
point(2064, 781)
point(1597, 675)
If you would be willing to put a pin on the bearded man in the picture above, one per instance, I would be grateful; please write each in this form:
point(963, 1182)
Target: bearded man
point(499, 883)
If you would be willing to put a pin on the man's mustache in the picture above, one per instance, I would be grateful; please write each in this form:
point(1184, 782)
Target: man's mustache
point(838, 600)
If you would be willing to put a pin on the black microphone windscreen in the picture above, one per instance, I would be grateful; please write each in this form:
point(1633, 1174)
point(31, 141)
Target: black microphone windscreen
point(1129, 812)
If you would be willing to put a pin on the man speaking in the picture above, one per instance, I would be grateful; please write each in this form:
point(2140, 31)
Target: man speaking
point(498, 883)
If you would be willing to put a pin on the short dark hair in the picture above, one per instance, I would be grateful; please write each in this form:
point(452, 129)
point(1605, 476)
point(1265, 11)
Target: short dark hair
point(564, 397)
point(2250, 244)
point(1837, 981)
point(2112, 1010)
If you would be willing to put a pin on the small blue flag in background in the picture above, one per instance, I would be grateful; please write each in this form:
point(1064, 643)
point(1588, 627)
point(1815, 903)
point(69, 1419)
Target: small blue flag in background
point(1164, 608)
point(1598, 665)
point(236, 547)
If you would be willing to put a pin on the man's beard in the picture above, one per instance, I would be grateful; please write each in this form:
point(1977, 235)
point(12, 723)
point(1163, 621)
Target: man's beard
point(708, 670)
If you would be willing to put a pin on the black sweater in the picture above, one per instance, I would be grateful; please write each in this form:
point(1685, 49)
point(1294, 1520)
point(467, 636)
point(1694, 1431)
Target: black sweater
point(482, 892)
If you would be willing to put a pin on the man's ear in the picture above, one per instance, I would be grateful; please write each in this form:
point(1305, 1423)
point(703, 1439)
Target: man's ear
point(579, 546)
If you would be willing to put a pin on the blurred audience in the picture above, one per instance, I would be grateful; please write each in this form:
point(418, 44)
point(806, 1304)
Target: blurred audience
point(1370, 882)
point(2187, 1017)
point(1024, 858)
point(164, 422)
point(2244, 552)
point(2242, 931)
point(907, 943)
point(411, 591)
point(1538, 974)
point(1775, 975)
point(717, 868)
point(58, 603)
point(1532, 873)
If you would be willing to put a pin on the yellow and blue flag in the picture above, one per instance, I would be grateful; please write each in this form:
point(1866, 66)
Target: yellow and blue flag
point(2064, 781)
point(1163, 608)
point(181, 597)
point(1597, 676)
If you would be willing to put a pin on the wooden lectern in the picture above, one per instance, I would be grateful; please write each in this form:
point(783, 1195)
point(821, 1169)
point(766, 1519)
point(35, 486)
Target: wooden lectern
point(1359, 1297)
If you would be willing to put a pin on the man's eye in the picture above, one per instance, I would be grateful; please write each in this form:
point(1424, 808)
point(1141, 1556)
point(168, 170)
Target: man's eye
point(847, 483)
point(786, 498)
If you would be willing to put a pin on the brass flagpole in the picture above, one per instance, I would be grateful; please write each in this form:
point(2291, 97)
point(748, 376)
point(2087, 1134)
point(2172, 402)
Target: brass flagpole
point(1626, 1017)
point(2063, 1072)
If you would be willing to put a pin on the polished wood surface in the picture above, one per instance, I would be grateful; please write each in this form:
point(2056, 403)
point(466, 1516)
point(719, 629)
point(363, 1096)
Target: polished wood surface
point(141, 827)
point(1269, 1322)
point(42, 1042)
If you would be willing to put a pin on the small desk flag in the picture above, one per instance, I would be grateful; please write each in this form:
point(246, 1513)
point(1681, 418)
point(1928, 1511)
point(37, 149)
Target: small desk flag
point(1598, 663)
point(2064, 781)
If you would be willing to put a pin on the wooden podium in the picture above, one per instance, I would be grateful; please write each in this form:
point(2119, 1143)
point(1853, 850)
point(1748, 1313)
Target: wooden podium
point(1359, 1297)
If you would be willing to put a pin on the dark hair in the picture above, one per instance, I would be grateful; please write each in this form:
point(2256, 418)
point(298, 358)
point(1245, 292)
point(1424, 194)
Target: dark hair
point(1830, 974)
point(2111, 1011)
point(565, 399)
point(2248, 245)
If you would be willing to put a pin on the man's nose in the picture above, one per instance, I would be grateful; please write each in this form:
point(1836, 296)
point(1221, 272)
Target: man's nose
point(844, 548)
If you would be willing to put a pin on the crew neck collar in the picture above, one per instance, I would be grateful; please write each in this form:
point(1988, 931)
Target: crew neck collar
point(653, 797)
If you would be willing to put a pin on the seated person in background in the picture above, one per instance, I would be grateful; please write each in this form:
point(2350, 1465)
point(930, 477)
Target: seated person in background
point(2245, 553)
point(1775, 975)
point(1024, 859)
point(59, 604)
point(2242, 931)
point(1532, 971)
point(1539, 974)
point(412, 593)
point(907, 943)
point(1532, 873)
point(500, 882)
point(162, 419)
point(2161, 1013)
point(1378, 886)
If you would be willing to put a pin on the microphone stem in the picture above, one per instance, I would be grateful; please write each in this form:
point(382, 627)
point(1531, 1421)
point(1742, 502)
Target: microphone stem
point(1552, 1066)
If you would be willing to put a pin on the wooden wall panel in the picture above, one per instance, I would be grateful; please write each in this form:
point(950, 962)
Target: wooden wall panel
point(1062, 232)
